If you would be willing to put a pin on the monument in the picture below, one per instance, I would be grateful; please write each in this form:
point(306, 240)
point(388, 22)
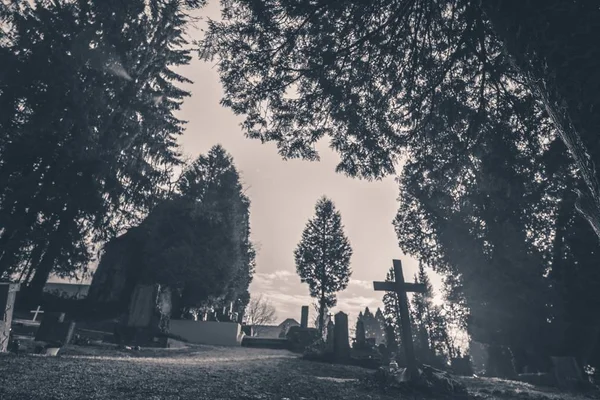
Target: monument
point(304, 317)
point(341, 342)
point(401, 288)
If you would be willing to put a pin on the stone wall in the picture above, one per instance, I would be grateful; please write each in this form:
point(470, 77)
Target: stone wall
point(208, 332)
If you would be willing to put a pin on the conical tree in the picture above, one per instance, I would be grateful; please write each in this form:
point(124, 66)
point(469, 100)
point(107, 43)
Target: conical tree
point(323, 256)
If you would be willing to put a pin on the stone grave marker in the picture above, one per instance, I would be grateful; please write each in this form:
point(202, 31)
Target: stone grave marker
point(304, 317)
point(8, 291)
point(141, 306)
point(54, 329)
point(330, 336)
point(360, 340)
point(148, 317)
point(341, 342)
point(401, 288)
point(567, 374)
point(36, 312)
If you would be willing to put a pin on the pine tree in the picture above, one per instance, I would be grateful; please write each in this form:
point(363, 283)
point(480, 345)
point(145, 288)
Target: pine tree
point(323, 256)
point(197, 242)
point(93, 137)
point(390, 312)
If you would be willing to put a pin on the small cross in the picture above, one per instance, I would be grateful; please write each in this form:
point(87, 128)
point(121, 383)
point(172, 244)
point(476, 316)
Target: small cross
point(401, 288)
point(36, 312)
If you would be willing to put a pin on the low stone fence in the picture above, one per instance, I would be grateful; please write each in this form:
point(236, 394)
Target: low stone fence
point(208, 332)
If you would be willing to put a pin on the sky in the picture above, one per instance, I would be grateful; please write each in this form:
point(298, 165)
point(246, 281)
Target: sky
point(283, 196)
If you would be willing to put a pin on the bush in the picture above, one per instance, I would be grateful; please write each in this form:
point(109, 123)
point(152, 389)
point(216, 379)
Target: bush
point(301, 338)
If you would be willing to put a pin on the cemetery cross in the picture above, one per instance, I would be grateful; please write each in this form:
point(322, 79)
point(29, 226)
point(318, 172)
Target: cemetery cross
point(36, 312)
point(401, 288)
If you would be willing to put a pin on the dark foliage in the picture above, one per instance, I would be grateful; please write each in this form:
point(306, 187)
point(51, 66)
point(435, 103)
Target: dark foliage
point(493, 103)
point(88, 131)
point(197, 242)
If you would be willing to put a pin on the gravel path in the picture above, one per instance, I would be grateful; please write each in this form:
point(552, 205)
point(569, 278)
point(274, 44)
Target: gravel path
point(196, 373)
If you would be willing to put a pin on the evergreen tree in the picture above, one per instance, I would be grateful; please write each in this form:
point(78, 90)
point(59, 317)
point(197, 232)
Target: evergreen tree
point(370, 75)
point(323, 256)
point(379, 326)
point(392, 324)
point(89, 124)
point(373, 324)
point(197, 242)
point(478, 99)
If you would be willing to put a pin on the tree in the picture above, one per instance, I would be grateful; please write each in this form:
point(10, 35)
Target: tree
point(373, 324)
point(369, 75)
point(316, 308)
point(260, 311)
point(88, 127)
point(434, 81)
point(432, 328)
point(197, 242)
point(323, 256)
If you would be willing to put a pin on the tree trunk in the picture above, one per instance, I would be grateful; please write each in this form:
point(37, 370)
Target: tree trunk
point(10, 243)
point(55, 246)
point(547, 40)
point(321, 326)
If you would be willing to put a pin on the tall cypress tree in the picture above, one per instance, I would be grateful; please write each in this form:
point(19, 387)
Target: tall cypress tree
point(323, 256)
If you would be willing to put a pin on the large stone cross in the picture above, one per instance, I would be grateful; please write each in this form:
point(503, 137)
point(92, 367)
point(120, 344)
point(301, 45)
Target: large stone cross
point(401, 288)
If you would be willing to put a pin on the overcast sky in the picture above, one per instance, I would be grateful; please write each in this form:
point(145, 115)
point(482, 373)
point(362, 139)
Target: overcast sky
point(283, 196)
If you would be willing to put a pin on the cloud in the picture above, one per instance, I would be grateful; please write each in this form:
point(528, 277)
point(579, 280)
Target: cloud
point(360, 283)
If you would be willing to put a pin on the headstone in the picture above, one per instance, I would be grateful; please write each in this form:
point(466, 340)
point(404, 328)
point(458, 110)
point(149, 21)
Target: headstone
point(401, 288)
point(567, 374)
point(330, 336)
point(148, 318)
point(54, 329)
point(8, 291)
point(141, 306)
point(341, 342)
point(360, 335)
point(304, 317)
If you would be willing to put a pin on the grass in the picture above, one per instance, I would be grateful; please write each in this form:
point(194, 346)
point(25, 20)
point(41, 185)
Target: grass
point(202, 372)
point(198, 372)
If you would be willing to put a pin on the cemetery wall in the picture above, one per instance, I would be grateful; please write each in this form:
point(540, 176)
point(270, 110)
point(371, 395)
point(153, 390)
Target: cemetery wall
point(208, 332)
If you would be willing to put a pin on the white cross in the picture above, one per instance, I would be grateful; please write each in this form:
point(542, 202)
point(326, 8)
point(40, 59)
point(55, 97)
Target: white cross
point(36, 312)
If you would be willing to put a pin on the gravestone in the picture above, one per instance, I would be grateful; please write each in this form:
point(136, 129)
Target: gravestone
point(8, 291)
point(141, 306)
point(341, 342)
point(330, 336)
point(567, 374)
point(148, 317)
point(54, 329)
point(304, 317)
point(360, 340)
